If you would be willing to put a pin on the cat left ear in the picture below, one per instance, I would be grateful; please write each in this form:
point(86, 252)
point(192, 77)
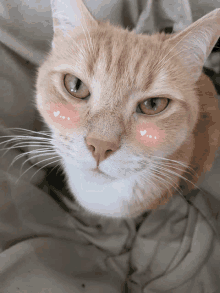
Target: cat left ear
point(68, 14)
point(195, 43)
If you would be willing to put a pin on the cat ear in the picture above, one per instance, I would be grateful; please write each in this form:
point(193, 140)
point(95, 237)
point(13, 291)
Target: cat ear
point(195, 43)
point(68, 14)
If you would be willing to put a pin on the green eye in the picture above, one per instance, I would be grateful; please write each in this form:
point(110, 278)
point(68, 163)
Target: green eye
point(75, 86)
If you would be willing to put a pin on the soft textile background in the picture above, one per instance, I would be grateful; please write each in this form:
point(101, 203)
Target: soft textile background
point(43, 248)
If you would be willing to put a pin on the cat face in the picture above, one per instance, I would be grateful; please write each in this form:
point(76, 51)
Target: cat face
point(122, 109)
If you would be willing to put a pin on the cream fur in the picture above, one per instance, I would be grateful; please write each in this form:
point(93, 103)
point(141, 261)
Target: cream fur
point(121, 69)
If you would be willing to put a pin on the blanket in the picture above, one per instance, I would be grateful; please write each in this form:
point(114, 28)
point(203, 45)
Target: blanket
point(45, 247)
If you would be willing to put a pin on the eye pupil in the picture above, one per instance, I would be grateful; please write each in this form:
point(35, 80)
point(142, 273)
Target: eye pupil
point(151, 103)
point(75, 86)
point(78, 83)
point(153, 106)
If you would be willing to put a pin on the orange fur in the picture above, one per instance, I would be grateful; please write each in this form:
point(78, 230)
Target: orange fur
point(121, 69)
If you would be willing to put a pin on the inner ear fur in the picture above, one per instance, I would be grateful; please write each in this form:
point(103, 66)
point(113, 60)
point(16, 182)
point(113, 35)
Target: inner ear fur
point(194, 44)
point(70, 14)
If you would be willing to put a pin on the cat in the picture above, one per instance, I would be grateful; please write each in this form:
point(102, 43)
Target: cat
point(132, 116)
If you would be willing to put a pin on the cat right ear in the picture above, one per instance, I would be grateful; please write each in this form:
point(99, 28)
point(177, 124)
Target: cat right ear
point(195, 43)
point(69, 14)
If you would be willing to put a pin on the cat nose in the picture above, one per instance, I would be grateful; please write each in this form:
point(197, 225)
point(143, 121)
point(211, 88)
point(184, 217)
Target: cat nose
point(101, 149)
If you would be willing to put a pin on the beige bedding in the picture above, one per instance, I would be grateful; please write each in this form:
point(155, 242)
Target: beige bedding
point(45, 249)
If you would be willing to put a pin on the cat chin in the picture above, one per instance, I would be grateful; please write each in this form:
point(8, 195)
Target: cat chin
point(100, 194)
point(110, 199)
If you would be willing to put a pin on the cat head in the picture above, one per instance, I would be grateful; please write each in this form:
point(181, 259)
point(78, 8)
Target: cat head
point(130, 114)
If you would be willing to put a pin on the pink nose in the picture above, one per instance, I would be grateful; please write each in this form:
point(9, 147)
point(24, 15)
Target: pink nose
point(101, 149)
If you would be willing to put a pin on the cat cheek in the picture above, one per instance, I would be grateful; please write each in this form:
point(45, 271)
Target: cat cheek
point(65, 115)
point(149, 134)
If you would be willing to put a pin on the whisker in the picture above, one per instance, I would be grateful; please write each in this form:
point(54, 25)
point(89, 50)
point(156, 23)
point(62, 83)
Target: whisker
point(17, 158)
point(9, 140)
point(26, 137)
point(160, 173)
point(177, 162)
point(44, 167)
point(46, 133)
point(157, 168)
point(181, 194)
point(23, 138)
point(171, 166)
point(149, 182)
point(180, 176)
point(54, 168)
point(144, 177)
point(22, 145)
point(36, 164)
point(17, 145)
point(164, 182)
point(168, 189)
point(39, 153)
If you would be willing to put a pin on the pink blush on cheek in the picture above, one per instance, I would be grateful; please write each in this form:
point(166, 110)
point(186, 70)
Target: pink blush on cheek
point(65, 115)
point(149, 134)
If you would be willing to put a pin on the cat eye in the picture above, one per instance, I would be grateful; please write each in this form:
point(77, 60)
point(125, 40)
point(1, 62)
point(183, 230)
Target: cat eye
point(75, 86)
point(153, 106)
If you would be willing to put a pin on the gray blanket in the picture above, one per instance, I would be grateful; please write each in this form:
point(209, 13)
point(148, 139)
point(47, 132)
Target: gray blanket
point(44, 248)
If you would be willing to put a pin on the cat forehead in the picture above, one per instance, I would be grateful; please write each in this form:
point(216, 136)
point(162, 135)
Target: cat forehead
point(108, 40)
point(113, 55)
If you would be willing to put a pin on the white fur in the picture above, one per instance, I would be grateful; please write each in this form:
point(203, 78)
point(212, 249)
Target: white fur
point(109, 193)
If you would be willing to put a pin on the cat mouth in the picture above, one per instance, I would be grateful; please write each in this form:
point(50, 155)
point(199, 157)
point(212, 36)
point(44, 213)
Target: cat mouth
point(99, 172)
